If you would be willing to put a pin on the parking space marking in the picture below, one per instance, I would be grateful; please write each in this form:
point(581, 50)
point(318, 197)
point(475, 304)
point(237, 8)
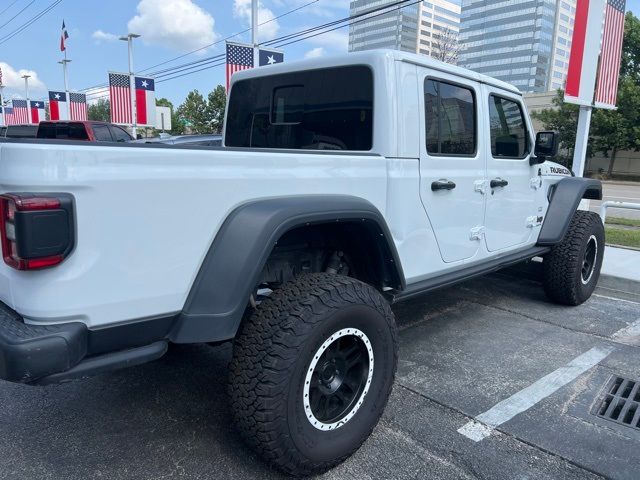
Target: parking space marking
point(629, 334)
point(482, 426)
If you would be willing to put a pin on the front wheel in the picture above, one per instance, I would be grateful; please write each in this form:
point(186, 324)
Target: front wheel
point(312, 370)
point(572, 268)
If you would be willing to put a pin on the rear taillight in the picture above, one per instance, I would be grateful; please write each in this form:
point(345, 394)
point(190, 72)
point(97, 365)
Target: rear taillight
point(37, 230)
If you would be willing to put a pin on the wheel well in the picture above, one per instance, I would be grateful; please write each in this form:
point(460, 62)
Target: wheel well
point(358, 249)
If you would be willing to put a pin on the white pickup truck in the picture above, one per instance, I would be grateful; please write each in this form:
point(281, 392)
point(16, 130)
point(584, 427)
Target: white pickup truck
point(344, 184)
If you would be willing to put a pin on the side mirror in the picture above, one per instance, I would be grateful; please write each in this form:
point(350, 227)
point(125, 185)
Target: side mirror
point(546, 147)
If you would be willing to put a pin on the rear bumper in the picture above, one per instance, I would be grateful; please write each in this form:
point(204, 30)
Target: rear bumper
point(31, 352)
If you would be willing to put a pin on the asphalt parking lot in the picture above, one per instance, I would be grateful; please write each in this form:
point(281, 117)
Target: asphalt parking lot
point(463, 351)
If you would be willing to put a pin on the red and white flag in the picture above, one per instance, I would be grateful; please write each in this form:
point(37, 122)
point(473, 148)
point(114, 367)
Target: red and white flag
point(78, 106)
point(37, 111)
point(585, 46)
point(611, 54)
point(239, 57)
point(145, 101)
point(58, 106)
point(63, 37)
point(20, 112)
point(120, 98)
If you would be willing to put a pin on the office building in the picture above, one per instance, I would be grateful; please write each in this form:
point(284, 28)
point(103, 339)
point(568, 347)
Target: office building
point(416, 28)
point(526, 43)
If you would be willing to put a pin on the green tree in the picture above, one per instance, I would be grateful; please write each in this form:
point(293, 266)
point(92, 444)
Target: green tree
point(216, 104)
point(193, 112)
point(101, 110)
point(562, 118)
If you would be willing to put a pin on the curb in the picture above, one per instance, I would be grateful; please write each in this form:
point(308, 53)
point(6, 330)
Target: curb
point(619, 287)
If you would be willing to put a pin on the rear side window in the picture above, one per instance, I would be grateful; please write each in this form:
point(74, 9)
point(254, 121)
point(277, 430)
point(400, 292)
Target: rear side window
point(509, 138)
point(119, 135)
point(450, 119)
point(327, 109)
point(63, 131)
point(102, 134)
point(22, 131)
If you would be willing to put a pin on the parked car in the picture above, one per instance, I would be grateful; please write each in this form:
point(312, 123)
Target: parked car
point(91, 131)
point(348, 183)
point(206, 140)
point(19, 131)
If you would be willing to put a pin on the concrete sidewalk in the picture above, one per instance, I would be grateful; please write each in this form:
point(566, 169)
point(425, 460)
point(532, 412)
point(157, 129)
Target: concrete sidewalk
point(621, 272)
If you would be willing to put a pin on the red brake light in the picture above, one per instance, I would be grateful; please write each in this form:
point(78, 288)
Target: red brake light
point(35, 230)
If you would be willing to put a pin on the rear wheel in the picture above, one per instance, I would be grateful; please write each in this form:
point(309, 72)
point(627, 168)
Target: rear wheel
point(312, 371)
point(572, 268)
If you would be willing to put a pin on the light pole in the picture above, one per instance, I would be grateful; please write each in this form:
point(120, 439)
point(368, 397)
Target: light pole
point(64, 73)
point(254, 33)
point(26, 89)
point(132, 86)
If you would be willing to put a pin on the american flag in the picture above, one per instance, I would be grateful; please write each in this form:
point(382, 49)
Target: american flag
point(8, 116)
point(120, 98)
point(239, 57)
point(78, 106)
point(20, 112)
point(611, 54)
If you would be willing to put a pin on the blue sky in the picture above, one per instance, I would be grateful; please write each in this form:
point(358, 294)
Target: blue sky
point(169, 28)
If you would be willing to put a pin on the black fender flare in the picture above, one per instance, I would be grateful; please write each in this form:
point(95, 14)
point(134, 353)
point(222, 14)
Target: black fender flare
point(232, 266)
point(564, 199)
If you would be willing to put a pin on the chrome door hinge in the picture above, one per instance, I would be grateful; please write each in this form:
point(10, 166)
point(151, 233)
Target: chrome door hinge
point(480, 186)
point(534, 221)
point(477, 233)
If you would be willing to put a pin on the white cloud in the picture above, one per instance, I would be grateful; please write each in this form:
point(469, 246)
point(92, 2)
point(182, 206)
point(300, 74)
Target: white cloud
point(99, 36)
point(14, 83)
point(266, 31)
point(176, 24)
point(336, 40)
point(315, 53)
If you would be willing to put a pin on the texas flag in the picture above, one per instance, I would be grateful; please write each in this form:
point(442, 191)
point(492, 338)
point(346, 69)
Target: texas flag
point(37, 111)
point(58, 106)
point(145, 101)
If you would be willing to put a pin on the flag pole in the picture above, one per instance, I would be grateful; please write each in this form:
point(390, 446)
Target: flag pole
point(254, 32)
point(582, 140)
point(132, 87)
point(26, 89)
point(4, 117)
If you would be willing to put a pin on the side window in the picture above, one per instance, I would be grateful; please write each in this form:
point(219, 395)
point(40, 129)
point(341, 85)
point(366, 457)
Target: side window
point(450, 119)
point(509, 137)
point(119, 135)
point(102, 134)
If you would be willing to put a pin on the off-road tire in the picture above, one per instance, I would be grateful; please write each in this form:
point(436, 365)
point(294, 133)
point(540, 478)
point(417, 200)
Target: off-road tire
point(271, 357)
point(565, 281)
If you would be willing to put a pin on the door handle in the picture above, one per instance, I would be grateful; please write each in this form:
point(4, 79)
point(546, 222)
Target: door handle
point(442, 185)
point(498, 182)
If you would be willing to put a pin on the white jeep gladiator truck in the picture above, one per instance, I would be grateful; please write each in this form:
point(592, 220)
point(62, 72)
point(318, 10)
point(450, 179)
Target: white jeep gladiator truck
point(344, 184)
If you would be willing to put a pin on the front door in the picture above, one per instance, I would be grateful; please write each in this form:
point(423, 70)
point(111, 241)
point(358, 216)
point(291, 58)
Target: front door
point(511, 200)
point(452, 163)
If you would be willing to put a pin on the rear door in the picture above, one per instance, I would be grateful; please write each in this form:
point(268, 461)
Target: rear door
point(511, 201)
point(452, 163)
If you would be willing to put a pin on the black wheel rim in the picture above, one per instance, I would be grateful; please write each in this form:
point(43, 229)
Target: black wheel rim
point(589, 260)
point(338, 379)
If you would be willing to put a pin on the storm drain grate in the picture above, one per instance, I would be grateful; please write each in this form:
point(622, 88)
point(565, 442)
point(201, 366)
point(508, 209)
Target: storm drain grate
point(621, 402)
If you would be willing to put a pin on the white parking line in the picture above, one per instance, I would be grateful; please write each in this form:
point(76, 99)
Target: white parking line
point(629, 335)
point(482, 426)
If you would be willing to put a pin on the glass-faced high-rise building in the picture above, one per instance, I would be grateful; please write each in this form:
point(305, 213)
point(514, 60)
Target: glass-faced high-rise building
point(525, 42)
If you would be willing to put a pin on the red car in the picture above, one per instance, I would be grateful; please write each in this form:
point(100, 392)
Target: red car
point(90, 131)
